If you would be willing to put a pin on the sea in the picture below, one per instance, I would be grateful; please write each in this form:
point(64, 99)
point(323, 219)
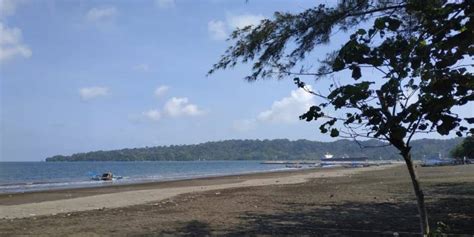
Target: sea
point(18, 177)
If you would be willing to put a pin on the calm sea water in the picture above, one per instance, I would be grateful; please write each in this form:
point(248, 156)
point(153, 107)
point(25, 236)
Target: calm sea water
point(35, 176)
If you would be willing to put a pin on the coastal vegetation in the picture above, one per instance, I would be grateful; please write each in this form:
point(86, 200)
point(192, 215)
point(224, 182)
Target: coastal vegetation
point(404, 70)
point(278, 149)
point(464, 149)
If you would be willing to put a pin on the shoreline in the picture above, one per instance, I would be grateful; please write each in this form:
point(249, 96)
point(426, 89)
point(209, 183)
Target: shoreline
point(72, 179)
point(150, 184)
point(47, 186)
point(52, 202)
point(105, 184)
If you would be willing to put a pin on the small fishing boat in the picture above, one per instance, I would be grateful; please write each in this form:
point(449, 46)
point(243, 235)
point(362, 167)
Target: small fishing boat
point(108, 176)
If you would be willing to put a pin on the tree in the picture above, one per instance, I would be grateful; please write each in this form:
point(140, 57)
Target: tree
point(464, 149)
point(421, 50)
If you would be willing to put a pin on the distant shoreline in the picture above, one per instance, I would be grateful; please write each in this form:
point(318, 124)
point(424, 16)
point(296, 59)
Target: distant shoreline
point(277, 149)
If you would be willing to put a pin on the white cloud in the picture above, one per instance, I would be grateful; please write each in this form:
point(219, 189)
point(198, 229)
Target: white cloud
point(8, 7)
point(152, 114)
point(217, 30)
point(173, 108)
point(289, 108)
point(241, 21)
point(283, 111)
point(165, 3)
point(161, 90)
point(144, 67)
point(180, 106)
point(89, 93)
point(100, 14)
point(11, 45)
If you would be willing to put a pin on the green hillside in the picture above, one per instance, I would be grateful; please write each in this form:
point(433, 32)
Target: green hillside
point(278, 149)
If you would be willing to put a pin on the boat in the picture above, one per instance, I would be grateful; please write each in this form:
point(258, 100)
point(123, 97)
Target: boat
point(330, 158)
point(108, 176)
point(330, 161)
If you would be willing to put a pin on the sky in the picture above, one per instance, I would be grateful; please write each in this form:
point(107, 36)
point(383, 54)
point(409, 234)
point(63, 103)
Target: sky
point(79, 76)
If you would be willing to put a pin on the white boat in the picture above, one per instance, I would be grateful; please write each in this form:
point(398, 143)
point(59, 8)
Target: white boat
point(328, 155)
point(330, 161)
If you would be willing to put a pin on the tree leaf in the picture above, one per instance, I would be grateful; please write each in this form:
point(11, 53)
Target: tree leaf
point(361, 32)
point(338, 64)
point(356, 73)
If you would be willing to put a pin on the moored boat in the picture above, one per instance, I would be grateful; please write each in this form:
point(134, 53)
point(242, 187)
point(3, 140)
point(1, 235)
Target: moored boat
point(330, 161)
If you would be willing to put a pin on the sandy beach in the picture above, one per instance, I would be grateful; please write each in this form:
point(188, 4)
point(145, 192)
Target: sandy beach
point(361, 201)
point(12, 207)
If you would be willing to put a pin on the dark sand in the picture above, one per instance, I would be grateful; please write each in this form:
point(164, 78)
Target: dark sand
point(366, 204)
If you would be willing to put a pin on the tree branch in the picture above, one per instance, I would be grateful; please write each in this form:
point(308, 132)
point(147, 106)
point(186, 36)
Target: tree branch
point(377, 10)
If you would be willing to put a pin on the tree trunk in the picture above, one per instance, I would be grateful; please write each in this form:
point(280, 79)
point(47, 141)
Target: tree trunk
point(420, 198)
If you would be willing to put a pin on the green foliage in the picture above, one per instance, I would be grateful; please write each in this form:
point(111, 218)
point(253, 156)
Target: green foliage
point(441, 230)
point(464, 149)
point(280, 149)
point(422, 51)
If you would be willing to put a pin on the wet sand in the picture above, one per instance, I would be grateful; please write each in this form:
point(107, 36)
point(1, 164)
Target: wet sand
point(370, 203)
point(49, 195)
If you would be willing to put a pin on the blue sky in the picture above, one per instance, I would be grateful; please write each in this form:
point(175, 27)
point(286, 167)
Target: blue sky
point(90, 75)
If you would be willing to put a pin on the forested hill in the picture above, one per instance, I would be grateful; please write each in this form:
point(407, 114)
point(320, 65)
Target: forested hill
point(279, 149)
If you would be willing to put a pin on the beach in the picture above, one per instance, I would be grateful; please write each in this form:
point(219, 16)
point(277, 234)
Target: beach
point(358, 201)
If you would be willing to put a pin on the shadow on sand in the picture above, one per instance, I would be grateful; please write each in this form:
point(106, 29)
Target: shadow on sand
point(191, 228)
point(454, 207)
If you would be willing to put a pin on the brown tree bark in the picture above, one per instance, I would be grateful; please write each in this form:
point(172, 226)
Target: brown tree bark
point(420, 198)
